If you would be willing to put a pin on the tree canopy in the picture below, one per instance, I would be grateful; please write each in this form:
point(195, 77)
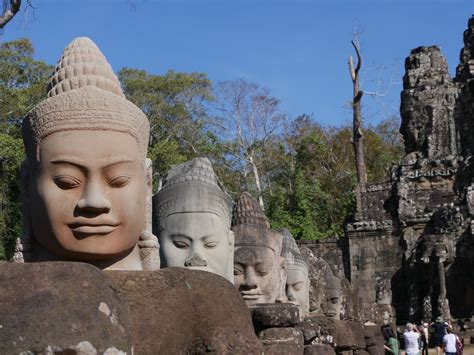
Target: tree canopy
point(305, 171)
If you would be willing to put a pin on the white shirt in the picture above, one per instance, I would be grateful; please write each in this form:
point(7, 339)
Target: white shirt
point(411, 342)
point(449, 341)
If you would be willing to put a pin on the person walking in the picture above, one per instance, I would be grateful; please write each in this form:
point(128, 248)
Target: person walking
point(391, 343)
point(411, 338)
point(439, 332)
point(449, 342)
point(423, 330)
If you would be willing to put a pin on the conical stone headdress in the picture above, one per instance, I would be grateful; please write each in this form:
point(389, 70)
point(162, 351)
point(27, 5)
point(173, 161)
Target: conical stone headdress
point(248, 211)
point(291, 252)
point(83, 94)
point(191, 187)
point(251, 227)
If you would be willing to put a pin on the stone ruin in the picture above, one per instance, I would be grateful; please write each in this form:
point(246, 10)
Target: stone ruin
point(414, 234)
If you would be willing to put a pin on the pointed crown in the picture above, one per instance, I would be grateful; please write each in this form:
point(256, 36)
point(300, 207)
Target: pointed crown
point(191, 187)
point(83, 94)
point(251, 227)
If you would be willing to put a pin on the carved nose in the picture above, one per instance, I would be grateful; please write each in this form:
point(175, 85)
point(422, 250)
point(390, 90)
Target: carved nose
point(250, 281)
point(291, 297)
point(195, 260)
point(94, 199)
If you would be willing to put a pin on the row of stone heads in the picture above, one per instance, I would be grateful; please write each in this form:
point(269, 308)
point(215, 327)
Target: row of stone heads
point(87, 194)
point(195, 225)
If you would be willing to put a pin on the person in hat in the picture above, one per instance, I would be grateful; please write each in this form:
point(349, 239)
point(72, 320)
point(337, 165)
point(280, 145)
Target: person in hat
point(439, 332)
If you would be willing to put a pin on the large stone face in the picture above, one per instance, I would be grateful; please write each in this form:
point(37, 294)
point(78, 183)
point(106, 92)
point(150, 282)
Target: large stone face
point(62, 306)
point(84, 144)
point(177, 310)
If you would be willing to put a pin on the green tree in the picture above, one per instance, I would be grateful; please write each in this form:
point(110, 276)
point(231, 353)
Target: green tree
point(175, 104)
point(11, 156)
point(23, 83)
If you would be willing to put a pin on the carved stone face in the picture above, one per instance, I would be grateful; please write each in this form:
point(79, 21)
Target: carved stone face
point(198, 240)
point(257, 274)
point(297, 289)
point(87, 195)
point(333, 302)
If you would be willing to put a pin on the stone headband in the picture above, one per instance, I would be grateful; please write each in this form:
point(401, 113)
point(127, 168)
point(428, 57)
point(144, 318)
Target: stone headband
point(84, 94)
point(256, 236)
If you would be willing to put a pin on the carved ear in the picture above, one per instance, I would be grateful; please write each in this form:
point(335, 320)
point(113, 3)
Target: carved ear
point(230, 263)
point(26, 234)
point(231, 241)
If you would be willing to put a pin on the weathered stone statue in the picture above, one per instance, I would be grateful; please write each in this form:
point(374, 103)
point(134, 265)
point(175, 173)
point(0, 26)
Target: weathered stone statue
point(332, 305)
point(297, 282)
point(192, 218)
point(85, 184)
point(259, 269)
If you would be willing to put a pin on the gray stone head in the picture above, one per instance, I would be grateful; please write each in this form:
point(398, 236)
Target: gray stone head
point(297, 282)
point(333, 300)
point(192, 217)
point(259, 269)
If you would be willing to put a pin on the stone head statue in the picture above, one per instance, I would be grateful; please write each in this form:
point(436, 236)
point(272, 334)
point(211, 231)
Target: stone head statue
point(333, 300)
point(259, 268)
point(85, 181)
point(192, 218)
point(297, 282)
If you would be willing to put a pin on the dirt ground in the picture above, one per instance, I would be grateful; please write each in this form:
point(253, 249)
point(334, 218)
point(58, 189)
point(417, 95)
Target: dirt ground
point(468, 350)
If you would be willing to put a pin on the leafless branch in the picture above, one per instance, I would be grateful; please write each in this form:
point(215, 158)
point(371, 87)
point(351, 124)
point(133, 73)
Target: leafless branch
point(9, 12)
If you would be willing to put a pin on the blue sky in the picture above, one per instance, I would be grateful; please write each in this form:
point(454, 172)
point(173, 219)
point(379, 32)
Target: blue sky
point(298, 49)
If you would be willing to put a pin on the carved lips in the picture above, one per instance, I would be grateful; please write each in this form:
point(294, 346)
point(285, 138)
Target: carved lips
point(93, 228)
point(249, 296)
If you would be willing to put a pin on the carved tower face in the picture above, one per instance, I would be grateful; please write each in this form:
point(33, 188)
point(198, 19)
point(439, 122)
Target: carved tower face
point(85, 168)
point(88, 195)
point(192, 218)
point(259, 269)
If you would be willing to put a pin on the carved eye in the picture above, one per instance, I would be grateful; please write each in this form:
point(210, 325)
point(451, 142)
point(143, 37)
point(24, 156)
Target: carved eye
point(180, 244)
point(119, 181)
point(238, 271)
point(297, 286)
point(211, 245)
point(262, 272)
point(66, 182)
point(334, 300)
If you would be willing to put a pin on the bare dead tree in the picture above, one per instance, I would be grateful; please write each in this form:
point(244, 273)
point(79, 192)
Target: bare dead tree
point(10, 9)
point(357, 134)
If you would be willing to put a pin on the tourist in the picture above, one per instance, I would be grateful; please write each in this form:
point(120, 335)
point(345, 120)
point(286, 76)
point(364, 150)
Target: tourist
point(423, 330)
point(391, 343)
point(411, 338)
point(449, 342)
point(439, 331)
